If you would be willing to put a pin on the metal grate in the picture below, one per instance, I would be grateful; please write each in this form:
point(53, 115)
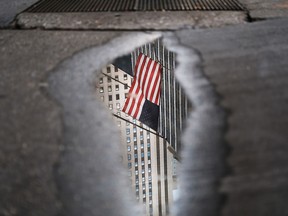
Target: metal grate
point(45, 6)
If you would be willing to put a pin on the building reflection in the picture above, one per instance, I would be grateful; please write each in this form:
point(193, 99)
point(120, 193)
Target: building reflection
point(151, 157)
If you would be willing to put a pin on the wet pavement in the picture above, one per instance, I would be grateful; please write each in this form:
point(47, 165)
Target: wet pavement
point(236, 167)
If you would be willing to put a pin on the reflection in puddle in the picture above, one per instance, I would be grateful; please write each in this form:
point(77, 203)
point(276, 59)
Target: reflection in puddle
point(150, 155)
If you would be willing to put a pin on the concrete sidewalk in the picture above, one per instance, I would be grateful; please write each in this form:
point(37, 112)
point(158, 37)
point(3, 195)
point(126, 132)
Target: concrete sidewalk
point(246, 65)
point(266, 9)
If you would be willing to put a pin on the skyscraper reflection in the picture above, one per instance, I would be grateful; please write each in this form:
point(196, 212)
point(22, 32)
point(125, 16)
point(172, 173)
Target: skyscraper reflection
point(151, 156)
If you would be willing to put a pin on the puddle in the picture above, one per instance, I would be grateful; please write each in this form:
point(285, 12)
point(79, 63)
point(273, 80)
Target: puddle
point(91, 177)
point(151, 156)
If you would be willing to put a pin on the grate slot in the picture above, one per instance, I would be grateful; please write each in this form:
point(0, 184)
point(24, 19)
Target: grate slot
point(50, 6)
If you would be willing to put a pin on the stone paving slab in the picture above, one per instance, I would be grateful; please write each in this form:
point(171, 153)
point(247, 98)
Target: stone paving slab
point(248, 67)
point(266, 9)
point(130, 20)
point(30, 121)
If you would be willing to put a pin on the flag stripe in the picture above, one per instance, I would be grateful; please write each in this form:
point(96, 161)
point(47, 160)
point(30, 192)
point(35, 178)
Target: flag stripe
point(129, 99)
point(142, 70)
point(154, 82)
point(146, 75)
point(138, 62)
point(139, 107)
point(149, 79)
point(133, 101)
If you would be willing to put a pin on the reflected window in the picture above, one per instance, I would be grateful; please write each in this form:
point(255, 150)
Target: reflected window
point(108, 69)
point(109, 88)
point(117, 77)
point(127, 131)
point(128, 148)
point(128, 139)
point(135, 138)
point(117, 87)
point(101, 80)
point(135, 147)
point(125, 76)
point(101, 89)
point(129, 165)
point(142, 145)
point(110, 106)
point(135, 155)
point(117, 98)
point(129, 156)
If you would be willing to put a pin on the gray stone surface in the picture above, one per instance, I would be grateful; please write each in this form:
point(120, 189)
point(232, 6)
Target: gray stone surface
point(91, 177)
point(30, 121)
point(131, 20)
point(266, 9)
point(47, 157)
point(248, 67)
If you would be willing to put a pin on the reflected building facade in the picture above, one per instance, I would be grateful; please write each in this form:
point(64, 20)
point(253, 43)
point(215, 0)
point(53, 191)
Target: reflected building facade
point(150, 159)
point(144, 153)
